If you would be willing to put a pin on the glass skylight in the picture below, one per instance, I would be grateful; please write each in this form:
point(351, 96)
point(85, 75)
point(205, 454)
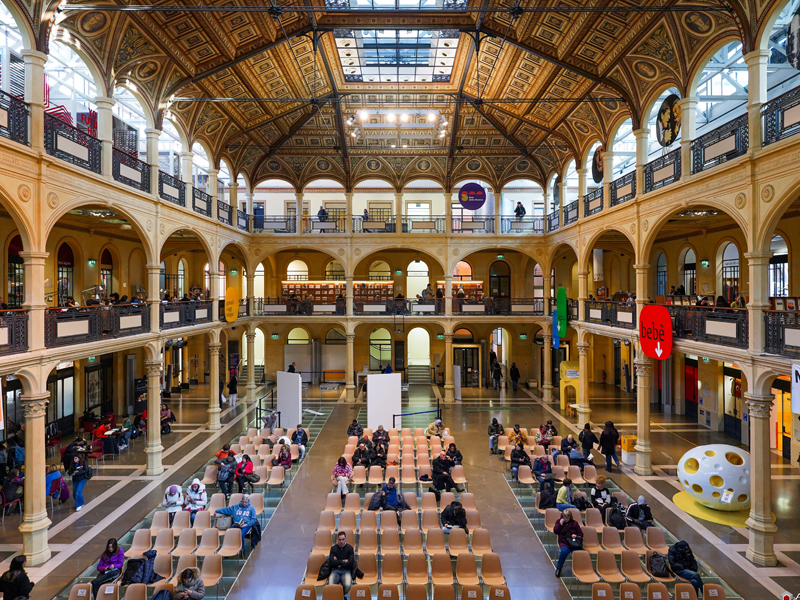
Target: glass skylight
point(396, 4)
point(389, 56)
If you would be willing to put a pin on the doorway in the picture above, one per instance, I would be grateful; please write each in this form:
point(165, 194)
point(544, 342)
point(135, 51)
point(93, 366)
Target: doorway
point(380, 349)
point(417, 278)
point(419, 347)
point(690, 387)
point(500, 280)
point(468, 357)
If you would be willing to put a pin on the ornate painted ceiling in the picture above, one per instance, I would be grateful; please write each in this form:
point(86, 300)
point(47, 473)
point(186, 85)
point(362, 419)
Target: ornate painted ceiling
point(518, 94)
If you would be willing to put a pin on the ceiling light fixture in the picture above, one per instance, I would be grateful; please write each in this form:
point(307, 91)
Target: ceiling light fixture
point(391, 117)
point(404, 118)
point(363, 115)
point(431, 117)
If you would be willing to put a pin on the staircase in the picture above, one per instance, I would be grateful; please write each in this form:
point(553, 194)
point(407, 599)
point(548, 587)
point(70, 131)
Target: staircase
point(243, 373)
point(419, 375)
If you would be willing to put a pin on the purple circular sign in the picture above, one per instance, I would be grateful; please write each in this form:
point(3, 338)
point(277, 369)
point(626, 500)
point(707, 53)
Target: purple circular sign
point(471, 196)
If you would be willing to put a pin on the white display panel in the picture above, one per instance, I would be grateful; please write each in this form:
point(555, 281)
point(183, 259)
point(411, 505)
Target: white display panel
point(290, 399)
point(383, 399)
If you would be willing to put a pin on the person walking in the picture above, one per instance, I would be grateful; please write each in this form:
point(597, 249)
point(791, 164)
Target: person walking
point(233, 391)
point(497, 374)
point(608, 444)
point(514, 375)
point(588, 439)
point(81, 473)
point(226, 473)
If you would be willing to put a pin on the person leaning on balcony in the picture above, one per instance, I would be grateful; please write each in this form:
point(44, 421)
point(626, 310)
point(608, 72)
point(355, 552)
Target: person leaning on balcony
point(739, 302)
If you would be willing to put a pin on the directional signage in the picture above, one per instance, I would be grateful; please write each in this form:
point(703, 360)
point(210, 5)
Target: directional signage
point(655, 331)
point(561, 306)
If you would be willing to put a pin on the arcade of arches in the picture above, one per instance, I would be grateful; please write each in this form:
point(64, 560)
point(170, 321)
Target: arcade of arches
point(190, 197)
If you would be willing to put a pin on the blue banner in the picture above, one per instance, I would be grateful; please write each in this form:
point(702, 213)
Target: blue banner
point(556, 339)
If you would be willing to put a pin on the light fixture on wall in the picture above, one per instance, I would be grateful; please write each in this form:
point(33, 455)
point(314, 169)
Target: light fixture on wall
point(440, 336)
point(523, 336)
point(92, 262)
point(704, 263)
point(274, 336)
point(233, 271)
point(398, 272)
point(499, 256)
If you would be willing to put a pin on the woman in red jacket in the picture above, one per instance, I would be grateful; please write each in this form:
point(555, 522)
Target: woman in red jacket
point(243, 469)
point(567, 529)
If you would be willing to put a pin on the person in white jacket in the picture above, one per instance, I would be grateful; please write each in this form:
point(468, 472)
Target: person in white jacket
point(196, 498)
point(173, 501)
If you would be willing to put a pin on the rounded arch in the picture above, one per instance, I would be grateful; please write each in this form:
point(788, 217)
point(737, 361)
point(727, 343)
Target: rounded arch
point(184, 138)
point(298, 335)
point(292, 184)
point(334, 270)
point(21, 221)
point(28, 36)
point(335, 336)
point(764, 31)
point(149, 117)
point(419, 346)
point(650, 100)
point(197, 233)
point(562, 245)
point(272, 254)
point(587, 150)
point(373, 176)
point(614, 128)
point(463, 335)
point(696, 68)
point(430, 181)
point(329, 177)
point(70, 43)
point(778, 208)
point(473, 250)
point(463, 271)
point(592, 240)
point(297, 270)
point(243, 258)
point(381, 252)
point(464, 180)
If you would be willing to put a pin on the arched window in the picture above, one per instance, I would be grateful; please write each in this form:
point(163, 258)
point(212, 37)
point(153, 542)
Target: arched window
point(463, 336)
point(538, 282)
point(462, 272)
point(335, 337)
point(661, 274)
point(379, 271)
point(162, 277)
point(730, 272)
point(690, 273)
point(297, 270)
point(65, 273)
point(182, 268)
point(258, 286)
point(107, 272)
point(298, 335)
point(500, 280)
point(334, 271)
point(380, 349)
point(16, 274)
point(223, 280)
point(778, 267)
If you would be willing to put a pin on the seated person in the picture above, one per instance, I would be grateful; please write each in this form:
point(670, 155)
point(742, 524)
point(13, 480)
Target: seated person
point(600, 496)
point(437, 429)
point(343, 562)
point(495, 431)
point(454, 454)
point(300, 437)
point(564, 498)
point(518, 458)
point(224, 452)
point(516, 436)
point(567, 444)
point(367, 442)
point(441, 466)
point(577, 458)
point(355, 429)
point(683, 564)
point(380, 436)
point(543, 437)
point(13, 488)
point(379, 456)
point(639, 514)
point(454, 516)
point(543, 471)
point(270, 420)
point(53, 474)
point(244, 515)
point(363, 456)
point(551, 428)
point(196, 498)
point(391, 499)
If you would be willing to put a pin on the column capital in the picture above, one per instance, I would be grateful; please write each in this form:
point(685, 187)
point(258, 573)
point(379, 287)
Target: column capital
point(643, 366)
point(548, 339)
point(582, 172)
point(448, 277)
point(351, 337)
point(212, 171)
point(214, 349)
point(759, 406)
point(34, 57)
point(448, 338)
point(641, 133)
point(34, 405)
point(150, 132)
point(32, 258)
point(152, 368)
point(251, 338)
point(448, 195)
point(688, 102)
point(583, 274)
point(607, 154)
point(104, 102)
point(642, 268)
point(757, 56)
point(583, 349)
point(754, 258)
point(186, 154)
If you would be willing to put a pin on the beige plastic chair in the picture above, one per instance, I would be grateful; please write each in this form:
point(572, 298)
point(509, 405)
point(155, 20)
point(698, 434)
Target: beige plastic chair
point(367, 499)
point(562, 461)
point(182, 520)
point(359, 475)
point(202, 521)
point(492, 570)
point(634, 541)
point(502, 442)
point(434, 542)
point(425, 471)
point(444, 592)
point(216, 502)
point(473, 520)
point(582, 568)
point(347, 521)
point(657, 591)
point(187, 543)
point(499, 591)
point(574, 473)
point(375, 476)
point(392, 471)
point(359, 590)
point(294, 450)
point(136, 591)
point(607, 567)
point(629, 591)
point(447, 499)
point(141, 543)
point(591, 543)
point(430, 521)
point(713, 591)
point(323, 540)
point(408, 521)
point(481, 544)
point(631, 567)
point(457, 544)
point(621, 497)
point(416, 573)
point(551, 517)
point(333, 592)
point(249, 449)
point(441, 570)
point(656, 541)
point(369, 521)
point(590, 474)
point(412, 542)
point(411, 500)
point(164, 541)
point(594, 518)
point(368, 564)
point(458, 476)
point(647, 556)
point(231, 543)
point(236, 448)
point(209, 543)
point(81, 591)
point(408, 476)
point(392, 569)
point(602, 591)
point(163, 566)
point(313, 565)
point(471, 592)
point(264, 452)
point(467, 500)
point(611, 540)
point(367, 542)
point(235, 499)
point(685, 591)
point(210, 475)
point(276, 477)
point(188, 561)
point(558, 473)
point(160, 521)
point(428, 501)
point(538, 451)
point(388, 591)
point(163, 586)
point(352, 503)
point(525, 477)
point(466, 570)
point(327, 521)
point(390, 542)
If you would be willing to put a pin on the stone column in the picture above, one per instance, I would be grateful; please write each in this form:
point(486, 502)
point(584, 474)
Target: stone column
point(583, 294)
point(758, 302)
point(34, 297)
point(642, 287)
point(547, 384)
point(642, 145)
point(448, 212)
point(187, 171)
point(213, 389)
point(213, 178)
point(105, 128)
point(251, 292)
point(35, 523)
point(298, 196)
point(153, 136)
point(349, 293)
point(644, 366)
point(756, 94)
point(448, 367)
point(233, 193)
point(688, 108)
point(398, 210)
point(546, 295)
point(582, 183)
point(448, 295)
point(185, 365)
point(608, 176)
point(348, 221)
point(583, 384)
point(251, 368)
point(562, 192)
point(34, 95)
point(497, 219)
point(349, 377)
point(761, 528)
point(214, 291)
point(153, 447)
point(154, 296)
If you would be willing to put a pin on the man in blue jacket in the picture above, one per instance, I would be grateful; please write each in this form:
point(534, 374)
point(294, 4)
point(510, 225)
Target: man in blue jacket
point(244, 515)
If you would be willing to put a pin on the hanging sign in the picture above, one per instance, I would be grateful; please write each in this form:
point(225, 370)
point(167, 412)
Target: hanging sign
point(668, 122)
point(597, 165)
point(556, 338)
point(655, 331)
point(561, 306)
point(231, 304)
point(793, 41)
point(471, 196)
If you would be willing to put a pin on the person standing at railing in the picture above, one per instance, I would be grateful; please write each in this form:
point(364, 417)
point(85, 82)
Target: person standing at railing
point(519, 211)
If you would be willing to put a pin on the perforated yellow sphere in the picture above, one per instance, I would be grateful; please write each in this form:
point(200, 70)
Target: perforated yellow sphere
point(712, 473)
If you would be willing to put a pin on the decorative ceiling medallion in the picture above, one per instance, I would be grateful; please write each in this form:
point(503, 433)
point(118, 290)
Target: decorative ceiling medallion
point(646, 69)
point(323, 165)
point(474, 165)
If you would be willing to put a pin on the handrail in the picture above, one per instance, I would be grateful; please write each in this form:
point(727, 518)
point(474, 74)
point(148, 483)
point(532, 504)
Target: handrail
point(593, 202)
point(224, 213)
point(242, 222)
point(619, 185)
point(171, 189)
point(657, 173)
point(17, 116)
point(201, 202)
point(716, 143)
point(71, 145)
point(571, 211)
point(773, 113)
point(515, 224)
point(553, 220)
point(130, 170)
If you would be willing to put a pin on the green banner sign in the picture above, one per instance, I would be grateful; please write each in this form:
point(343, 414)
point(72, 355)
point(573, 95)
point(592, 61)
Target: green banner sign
point(561, 307)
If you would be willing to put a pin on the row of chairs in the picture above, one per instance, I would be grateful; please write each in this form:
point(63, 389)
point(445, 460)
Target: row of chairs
point(417, 570)
point(388, 542)
point(390, 592)
point(409, 520)
point(352, 502)
point(406, 475)
point(394, 458)
point(264, 452)
point(561, 468)
point(409, 443)
point(629, 569)
point(165, 546)
point(611, 537)
point(656, 591)
point(503, 441)
point(268, 475)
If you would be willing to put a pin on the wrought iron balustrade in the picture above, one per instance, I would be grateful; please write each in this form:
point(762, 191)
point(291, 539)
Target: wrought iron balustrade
point(224, 213)
point(781, 117)
point(553, 220)
point(623, 189)
point(171, 189)
point(571, 212)
point(13, 331)
point(422, 224)
point(662, 171)
point(242, 221)
point(473, 224)
point(782, 333)
point(720, 145)
point(201, 202)
point(724, 326)
point(130, 170)
point(613, 314)
point(14, 114)
point(514, 224)
point(593, 202)
point(71, 145)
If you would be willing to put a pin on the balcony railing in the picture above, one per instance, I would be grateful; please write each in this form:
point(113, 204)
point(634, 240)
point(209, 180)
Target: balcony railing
point(572, 309)
point(420, 224)
point(571, 212)
point(473, 224)
point(720, 145)
point(499, 306)
point(171, 189)
point(623, 188)
point(782, 333)
point(244, 309)
point(513, 224)
point(130, 171)
point(71, 145)
point(297, 306)
point(184, 314)
point(78, 325)
point(662, 171)
point(374, 224)
point(13, 119)
point(327, 224)
point(614, 314)
point(224, 213)
point(13, 331)
point(201, 202)
point(274, 224)
point(593, 202)
point(781, 117)
point(242, 222)
point(553, 220)
point(725, 326)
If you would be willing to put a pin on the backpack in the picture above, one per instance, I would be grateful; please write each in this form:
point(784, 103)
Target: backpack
point(581, 503)
point(616, 518)
point(89, 473)
point(131, 567)
point(165, 428)
point(224, 472)
point(658, 565)
point(547, 498)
